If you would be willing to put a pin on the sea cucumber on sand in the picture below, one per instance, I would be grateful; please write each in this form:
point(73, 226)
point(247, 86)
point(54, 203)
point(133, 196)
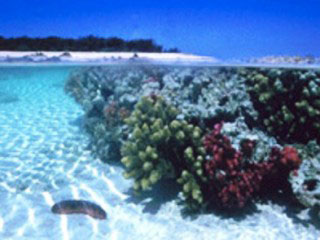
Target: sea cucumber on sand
point(79, 207)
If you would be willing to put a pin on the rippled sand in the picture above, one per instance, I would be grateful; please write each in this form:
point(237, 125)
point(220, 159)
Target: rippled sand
point(44, 158)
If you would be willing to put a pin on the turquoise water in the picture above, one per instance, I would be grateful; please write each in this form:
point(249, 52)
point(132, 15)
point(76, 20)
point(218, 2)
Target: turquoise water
point(42, 154)
point(44, 158)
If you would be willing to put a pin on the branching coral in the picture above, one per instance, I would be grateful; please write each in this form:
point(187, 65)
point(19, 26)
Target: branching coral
point(193, 177)
point(149, 130)
point(230, 182)
point(159, 141)
point(160, 146)
point(233, 181)
point(288, 102)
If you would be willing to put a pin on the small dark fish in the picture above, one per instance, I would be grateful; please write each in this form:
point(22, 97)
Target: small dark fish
point(79, 207)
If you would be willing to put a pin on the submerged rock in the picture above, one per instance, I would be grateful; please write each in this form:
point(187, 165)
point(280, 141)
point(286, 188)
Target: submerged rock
point(306, 183)
point(79, 207)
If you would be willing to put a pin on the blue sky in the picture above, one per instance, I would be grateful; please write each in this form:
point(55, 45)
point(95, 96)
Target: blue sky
point(222, 28)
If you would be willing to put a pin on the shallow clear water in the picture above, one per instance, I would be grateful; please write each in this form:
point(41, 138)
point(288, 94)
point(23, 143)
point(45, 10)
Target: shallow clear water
point(44, 158)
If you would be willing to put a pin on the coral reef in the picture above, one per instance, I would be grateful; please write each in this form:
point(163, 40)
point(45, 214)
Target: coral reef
point(233, 181)
point(199, 93)
point(114, 114)
point(206, 93)
point(160, 146)
point(229, 181)
point(288, 102)
point(306, 182)
point(288, 158)
point(107, 95)
point(169, 109)
point(281, 164)
point(192, 177)
point(247, 147)
point(276, 60)
point(149, 130)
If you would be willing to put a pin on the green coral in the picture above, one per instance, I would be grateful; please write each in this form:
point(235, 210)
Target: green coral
point(288, 101)
point(161, 146)
point(192, 178)
point(191, 189)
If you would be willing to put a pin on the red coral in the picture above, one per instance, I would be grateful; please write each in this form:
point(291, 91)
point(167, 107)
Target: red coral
point(280, 164)
point(235, 181)
point(290, 158)
point(287, 159)
point(233, 184)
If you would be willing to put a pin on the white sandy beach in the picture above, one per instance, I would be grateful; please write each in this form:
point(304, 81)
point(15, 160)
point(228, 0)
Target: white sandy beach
point(105, 56)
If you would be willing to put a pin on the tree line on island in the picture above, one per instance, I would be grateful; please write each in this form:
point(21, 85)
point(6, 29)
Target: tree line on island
point(88, 43)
